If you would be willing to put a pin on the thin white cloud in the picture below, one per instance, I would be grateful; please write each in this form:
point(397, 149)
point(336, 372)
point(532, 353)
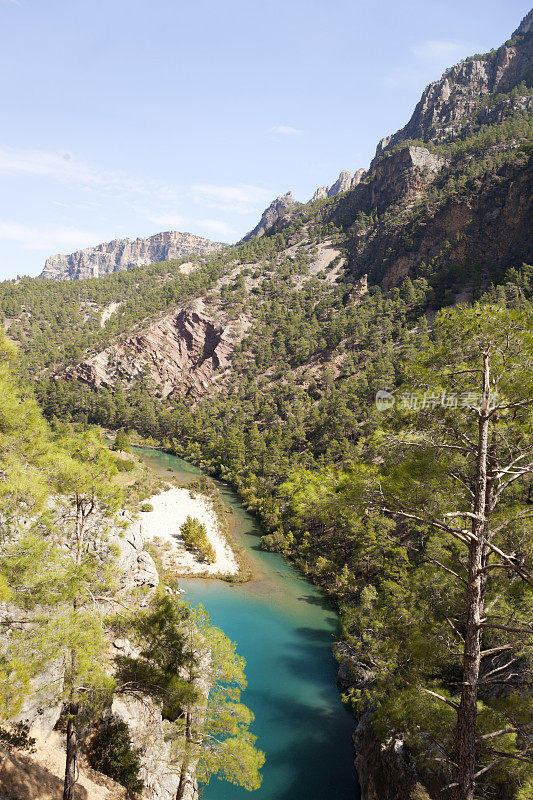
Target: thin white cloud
point(443, 51)
point(217, 227)
point(286, 130)
point(49, 238)
point(66, 167)
point(241, 198)
point(430, 59)
point(170, 221)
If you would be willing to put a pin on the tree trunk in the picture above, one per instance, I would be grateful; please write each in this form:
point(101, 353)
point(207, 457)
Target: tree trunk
point(72, 748)
point(475, 602)
point(186, 758)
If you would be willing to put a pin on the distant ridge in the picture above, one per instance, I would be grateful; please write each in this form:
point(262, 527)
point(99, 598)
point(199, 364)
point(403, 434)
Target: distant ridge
point(120, 254)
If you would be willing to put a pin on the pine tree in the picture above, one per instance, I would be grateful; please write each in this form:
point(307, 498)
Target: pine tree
point(460, 469)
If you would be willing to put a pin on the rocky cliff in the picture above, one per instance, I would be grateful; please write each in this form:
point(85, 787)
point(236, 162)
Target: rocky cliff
point(135, 569)
point(185, 353)
point(120, 254)
point(386, 770)
point(408, 217)
point(344, 183)
point(460, 210)
point(277, 209)
point(282, 205)
point(447, 104)
point(401, 176)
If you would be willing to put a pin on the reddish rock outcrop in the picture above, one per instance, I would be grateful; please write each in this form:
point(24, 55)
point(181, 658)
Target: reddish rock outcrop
point(185, 353)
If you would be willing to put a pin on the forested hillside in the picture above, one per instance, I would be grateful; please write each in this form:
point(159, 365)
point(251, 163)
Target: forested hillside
point(263, 364)
point(86, 623)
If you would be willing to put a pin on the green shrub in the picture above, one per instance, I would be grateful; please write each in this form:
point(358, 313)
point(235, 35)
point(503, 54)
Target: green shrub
point(122, 442)
point(111, 753)
point(147, 507)
point(124, 465)
point(195, 538)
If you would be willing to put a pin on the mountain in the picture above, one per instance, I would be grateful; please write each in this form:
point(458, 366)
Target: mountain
point(481, 83)
point(284, 204)
point(185, 353)
point(121, 254)
point(452, 207)
point(344, 183)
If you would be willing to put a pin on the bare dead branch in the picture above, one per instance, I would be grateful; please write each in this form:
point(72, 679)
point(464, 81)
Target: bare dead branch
point(495, 733)
point(494, 650)
point(489, 766)
point(450, 703)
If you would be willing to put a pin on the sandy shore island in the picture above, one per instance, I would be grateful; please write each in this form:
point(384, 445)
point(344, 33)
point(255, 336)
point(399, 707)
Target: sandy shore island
point(171, 509)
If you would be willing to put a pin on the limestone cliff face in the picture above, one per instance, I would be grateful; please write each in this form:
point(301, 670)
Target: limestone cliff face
point(447, 103)
point(185, 353)
point(277, 209)
point(400, 176)
point(120, 254)
point(490, 227)
point(320, 194)
point(386, 770)
point(344, 183)
point(282, 205)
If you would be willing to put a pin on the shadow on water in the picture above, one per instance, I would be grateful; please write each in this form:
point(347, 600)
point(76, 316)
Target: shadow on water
point(317, 600)
point(300, 767)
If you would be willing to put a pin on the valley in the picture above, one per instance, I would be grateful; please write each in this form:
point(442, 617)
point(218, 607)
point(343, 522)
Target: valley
point(388, 545)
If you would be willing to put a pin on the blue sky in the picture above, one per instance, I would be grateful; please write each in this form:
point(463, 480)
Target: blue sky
point(128, 117)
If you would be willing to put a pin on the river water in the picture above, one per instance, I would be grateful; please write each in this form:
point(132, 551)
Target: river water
point(284, 628)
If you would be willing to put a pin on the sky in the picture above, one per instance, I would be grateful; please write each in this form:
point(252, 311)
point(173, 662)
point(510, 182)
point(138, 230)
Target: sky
point(129, 117)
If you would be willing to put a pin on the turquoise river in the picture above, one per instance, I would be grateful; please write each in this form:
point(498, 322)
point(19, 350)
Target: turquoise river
point(284, 628)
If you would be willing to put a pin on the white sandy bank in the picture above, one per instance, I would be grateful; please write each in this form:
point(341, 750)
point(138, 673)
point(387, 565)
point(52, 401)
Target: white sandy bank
point(171, 509)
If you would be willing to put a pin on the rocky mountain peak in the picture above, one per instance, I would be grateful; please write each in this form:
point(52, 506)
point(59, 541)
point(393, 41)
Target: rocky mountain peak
point(526, 25)
point(270, 215)
point(447, 104)
point(120, 254)
point(344, 183)
point(358, 177)
point(320, 194)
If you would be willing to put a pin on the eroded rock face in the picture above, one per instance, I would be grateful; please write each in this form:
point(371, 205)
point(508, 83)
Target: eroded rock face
point(342, 184)
point(148, 731)
point(407, 171)
point(491, 226)
point(358, 177)
point(135, 565)
point(386, 771)
point(447, 103)
point(401, 175)
point(185, 353)
point(276, 209)
point(359, 289)
point(120, 254)
point(320, 194)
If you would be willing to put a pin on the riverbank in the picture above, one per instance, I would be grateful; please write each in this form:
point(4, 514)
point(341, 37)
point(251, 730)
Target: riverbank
point(161, 527)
